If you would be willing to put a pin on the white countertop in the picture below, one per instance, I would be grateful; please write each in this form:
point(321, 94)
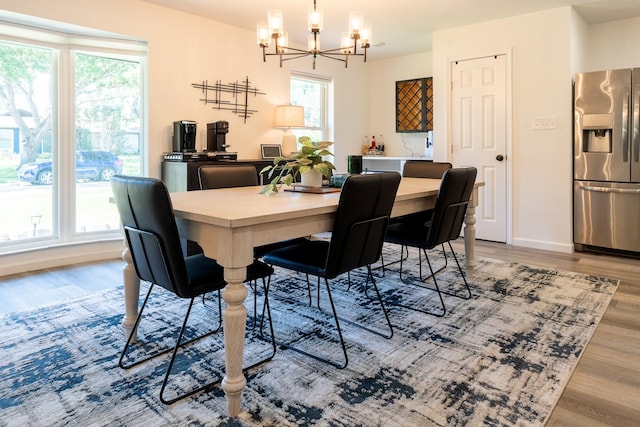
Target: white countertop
point(397, 158)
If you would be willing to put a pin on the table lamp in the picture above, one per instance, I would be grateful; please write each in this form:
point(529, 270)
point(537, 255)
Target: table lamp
point(289, 116)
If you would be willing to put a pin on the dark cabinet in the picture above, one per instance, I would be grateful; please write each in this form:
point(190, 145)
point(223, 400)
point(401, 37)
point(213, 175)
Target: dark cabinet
point(183, 176)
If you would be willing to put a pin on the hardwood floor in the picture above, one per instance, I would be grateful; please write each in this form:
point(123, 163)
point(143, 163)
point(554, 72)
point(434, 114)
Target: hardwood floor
point(604, 390)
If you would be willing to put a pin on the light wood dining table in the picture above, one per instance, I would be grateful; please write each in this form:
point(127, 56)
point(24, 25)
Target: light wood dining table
point(228, 223)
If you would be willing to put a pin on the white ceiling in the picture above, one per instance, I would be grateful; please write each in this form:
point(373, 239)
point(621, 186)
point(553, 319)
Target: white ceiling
point(400, 27)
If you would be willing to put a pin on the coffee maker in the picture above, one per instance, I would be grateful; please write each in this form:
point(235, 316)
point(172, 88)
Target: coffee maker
point(217, 136)
point(184, 136)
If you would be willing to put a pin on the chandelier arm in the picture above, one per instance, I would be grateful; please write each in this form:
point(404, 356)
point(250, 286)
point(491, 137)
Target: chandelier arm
point(296, 51)
point(334, 56)
point(329, 54)
point(291, 56)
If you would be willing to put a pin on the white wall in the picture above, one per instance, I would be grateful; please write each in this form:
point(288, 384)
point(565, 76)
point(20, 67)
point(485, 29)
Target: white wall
point(541, 161)
point(186, 49)
point(613, 45)
point(383, 75)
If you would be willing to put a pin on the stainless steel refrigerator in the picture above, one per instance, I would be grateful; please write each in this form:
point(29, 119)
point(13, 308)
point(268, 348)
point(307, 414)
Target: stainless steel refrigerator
point(607, 161)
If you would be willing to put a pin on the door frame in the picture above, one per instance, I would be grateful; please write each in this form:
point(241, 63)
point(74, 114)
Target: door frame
point(508, 52)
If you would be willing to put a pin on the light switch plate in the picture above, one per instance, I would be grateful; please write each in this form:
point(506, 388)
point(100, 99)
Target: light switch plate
point(543, 123)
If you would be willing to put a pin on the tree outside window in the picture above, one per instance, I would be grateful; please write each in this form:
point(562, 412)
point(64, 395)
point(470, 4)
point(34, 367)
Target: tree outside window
point(105, 123)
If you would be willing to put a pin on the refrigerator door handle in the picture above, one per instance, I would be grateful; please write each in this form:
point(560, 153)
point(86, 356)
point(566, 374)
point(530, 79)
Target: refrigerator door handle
point(627, 118)
point(635, 123)
point(611, 190)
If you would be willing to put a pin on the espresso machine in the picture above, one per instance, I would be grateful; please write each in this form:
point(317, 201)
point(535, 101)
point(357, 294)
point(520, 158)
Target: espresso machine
point(217, 136)
point(184, 143)
point(184, 136)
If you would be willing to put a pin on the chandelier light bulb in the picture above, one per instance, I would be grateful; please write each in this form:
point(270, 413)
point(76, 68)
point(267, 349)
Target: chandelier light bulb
point(283, 41)
point(276, 27)
point(366, 36)
point(346, 43)
point(264, 37)
point(356, 22)
point(313, 44)
point(315, 19)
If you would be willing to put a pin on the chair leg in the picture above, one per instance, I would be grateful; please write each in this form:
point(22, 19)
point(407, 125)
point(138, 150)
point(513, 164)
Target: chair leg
point(384, 309)
point(163, 399)
point(464, 279)
point(335, 316)
point(404, 254)
point(444, 255)
point(180, 344)
point(435, 281)
point(342, 344)
point(124, 365)
point(273, 337)
point(211, 384)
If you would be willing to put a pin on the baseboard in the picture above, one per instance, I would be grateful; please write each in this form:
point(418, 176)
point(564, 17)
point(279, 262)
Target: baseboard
point(60, 256)
point(547, 246)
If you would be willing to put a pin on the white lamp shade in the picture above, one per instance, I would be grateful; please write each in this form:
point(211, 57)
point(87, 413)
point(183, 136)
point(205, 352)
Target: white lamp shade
point(289, 116)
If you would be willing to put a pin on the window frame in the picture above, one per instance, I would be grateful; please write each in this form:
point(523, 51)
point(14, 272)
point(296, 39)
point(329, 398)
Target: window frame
point(326, 107)
point(65, 41)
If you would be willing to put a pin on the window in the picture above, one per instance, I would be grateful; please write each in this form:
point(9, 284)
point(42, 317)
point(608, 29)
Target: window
point(71, 116)
point(313, 93)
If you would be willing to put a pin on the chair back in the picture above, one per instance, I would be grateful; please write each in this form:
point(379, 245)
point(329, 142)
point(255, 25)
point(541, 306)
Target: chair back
point(451, 205)
point(424, 169)
point(361, 221)
point(147, 217)
point(227, 176)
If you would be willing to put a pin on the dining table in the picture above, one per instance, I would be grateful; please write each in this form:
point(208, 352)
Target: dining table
point(228, 223)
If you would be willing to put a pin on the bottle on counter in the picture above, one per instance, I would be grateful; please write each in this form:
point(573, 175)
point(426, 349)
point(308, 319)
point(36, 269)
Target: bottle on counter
point(381, 143)
point(373, 143)
point(365, 145)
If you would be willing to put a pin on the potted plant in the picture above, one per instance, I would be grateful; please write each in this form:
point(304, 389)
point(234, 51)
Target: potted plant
point(307, 160)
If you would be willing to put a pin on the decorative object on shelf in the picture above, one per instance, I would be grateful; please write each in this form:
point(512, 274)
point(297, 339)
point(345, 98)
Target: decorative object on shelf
point(376, 148)
point(289, 116)
point(309, 158)
point(270, 151)
point(414, 105)
point(239, 92)
point(359, 34)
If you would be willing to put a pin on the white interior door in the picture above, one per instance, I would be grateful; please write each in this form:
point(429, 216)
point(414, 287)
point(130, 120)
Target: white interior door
point(479, 137)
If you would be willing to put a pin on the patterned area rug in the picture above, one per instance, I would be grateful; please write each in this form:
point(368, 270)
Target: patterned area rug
point(500, 358)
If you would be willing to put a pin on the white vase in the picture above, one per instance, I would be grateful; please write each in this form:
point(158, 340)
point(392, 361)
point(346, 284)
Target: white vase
point(312, 178)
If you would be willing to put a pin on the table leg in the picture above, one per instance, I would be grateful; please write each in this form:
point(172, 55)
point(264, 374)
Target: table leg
point(470, 231)
point(235, 320)
point(131, 295)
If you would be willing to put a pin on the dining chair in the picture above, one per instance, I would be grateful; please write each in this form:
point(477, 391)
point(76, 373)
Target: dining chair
point(152, 236)
point(417, 169)
point(226, 176)
point(231, 176)
point(356, 241)
point(444, 225)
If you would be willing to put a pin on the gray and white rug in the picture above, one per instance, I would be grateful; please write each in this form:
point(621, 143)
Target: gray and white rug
point(501, 358)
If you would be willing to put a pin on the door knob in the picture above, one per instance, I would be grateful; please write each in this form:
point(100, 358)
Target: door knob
point(499, 157)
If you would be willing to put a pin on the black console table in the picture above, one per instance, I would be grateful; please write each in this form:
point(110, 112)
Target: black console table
point(183, 176)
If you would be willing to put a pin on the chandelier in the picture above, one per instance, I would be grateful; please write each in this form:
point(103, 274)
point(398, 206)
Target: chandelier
point(272, 31)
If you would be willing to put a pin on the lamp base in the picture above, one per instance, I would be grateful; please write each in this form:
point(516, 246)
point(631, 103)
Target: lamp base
point(289, 143)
